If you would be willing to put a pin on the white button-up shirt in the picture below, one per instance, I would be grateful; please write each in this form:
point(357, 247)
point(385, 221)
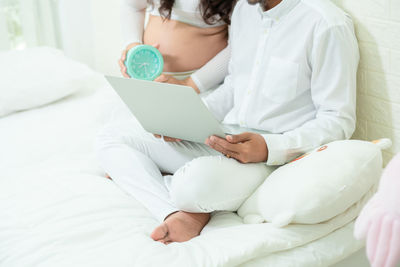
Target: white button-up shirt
point(292, 74)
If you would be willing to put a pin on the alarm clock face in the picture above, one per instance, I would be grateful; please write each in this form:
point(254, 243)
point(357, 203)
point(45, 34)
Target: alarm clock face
point(144, 62)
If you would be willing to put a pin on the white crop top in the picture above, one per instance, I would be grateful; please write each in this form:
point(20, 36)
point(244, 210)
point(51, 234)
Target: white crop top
point(186, 11)
point(133, 14)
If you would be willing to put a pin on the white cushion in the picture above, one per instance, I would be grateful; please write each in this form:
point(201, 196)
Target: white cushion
point(37, 76)
point(318, 186)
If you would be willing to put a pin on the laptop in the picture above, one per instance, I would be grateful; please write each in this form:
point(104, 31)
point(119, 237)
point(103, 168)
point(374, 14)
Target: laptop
point(171, 110)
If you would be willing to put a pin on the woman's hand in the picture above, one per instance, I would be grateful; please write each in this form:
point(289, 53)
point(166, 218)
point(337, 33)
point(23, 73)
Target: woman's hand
point(170, 79)
point(167, 139)
point(123, 58)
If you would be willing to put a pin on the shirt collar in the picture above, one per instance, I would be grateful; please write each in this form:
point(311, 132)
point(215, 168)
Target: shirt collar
point(279, 11)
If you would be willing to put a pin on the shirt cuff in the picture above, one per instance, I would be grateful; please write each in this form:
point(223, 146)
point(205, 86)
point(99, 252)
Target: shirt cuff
point(213, 108)
point(277, 149)
point(197, 82)
point(203, 98)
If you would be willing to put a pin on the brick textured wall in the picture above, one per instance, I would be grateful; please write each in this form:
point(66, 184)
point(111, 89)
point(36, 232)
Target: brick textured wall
point(377, 24)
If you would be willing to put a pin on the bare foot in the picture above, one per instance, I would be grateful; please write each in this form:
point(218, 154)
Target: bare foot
point(180, 227)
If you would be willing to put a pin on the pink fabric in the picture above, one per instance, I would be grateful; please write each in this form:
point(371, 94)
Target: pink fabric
point(379, 221)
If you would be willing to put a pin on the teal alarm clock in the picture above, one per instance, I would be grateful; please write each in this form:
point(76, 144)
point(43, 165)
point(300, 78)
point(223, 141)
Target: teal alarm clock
point(144, 62)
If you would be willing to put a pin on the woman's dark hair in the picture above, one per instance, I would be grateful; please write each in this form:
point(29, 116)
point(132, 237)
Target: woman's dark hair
point(212, 11)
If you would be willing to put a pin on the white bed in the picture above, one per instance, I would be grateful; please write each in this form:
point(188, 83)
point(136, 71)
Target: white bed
point(57, 209)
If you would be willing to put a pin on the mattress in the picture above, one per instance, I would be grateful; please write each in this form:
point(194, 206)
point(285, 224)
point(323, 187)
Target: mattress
point(57, 209)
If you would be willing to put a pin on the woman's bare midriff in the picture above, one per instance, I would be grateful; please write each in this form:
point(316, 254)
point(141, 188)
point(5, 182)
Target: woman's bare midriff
point(183, 46)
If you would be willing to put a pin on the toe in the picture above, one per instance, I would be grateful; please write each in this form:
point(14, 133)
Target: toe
point(165, 241)
point(160, 232)
point(162, 241)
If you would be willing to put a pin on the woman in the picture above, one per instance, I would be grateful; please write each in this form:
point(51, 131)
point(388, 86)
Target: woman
point(190, 34)
point(192, 37)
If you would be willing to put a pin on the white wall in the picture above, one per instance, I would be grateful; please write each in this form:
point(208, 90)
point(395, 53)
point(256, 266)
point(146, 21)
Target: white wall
point(91, 33)
point(107, 35)
point(4, 41)
point(378, 30)
point(77, 30)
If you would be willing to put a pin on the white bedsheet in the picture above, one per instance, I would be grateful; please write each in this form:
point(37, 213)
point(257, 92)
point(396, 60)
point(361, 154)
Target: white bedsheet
point(56, 208)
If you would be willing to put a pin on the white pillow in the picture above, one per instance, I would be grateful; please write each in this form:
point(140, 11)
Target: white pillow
point(37, 76)
point(317, 186)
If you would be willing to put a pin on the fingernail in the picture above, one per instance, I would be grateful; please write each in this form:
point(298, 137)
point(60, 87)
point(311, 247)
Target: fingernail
point(229, 137)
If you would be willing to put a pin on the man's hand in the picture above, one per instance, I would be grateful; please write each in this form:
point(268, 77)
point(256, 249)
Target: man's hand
point(170, 79)
point(245, 147)
point(167, 138)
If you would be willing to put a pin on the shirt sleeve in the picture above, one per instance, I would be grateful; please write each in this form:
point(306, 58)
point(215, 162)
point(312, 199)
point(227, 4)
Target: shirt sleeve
point(220, 101)
point(133, 14)
point(334, 62)
point(213, 72)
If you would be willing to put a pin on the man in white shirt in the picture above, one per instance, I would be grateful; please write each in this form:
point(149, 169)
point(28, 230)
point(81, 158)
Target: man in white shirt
point(292, 73)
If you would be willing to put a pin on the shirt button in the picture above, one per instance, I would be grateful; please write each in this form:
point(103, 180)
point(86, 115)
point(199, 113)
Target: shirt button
point(265, 31)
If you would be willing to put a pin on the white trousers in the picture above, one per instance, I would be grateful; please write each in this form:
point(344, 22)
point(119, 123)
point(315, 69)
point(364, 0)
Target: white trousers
point(136, 159)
